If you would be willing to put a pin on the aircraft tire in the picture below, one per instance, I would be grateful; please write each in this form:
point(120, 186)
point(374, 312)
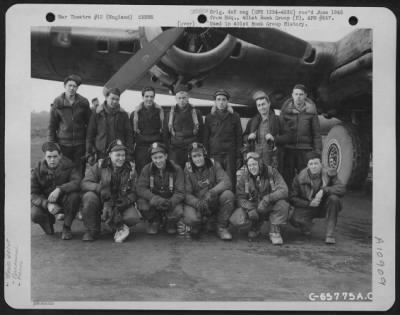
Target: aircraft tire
point(346, 150)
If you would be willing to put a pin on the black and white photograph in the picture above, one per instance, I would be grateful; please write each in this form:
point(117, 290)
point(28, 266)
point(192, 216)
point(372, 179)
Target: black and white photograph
point(200, 158)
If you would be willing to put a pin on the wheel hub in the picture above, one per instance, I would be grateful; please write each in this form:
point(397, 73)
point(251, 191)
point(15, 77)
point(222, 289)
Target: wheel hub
point(333, 156)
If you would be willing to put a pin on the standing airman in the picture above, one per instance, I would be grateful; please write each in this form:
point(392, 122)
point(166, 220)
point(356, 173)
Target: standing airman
point(184, 125)
point(147, 121)
point(223, 135)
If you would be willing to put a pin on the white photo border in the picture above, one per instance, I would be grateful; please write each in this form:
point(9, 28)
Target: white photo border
point(19, 20)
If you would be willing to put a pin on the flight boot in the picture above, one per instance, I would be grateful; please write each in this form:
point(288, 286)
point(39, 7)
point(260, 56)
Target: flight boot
point(152, 228)
point(183, 230)
point(330, 240)
point(121, 233)
point(223, 233)
point(170, 227)
point(153, 225)
point(66, 233)
point(195, 231)
point(48, 224)
point(90, 236)
point(254, 230)
point(211, 225)
point(275, 235)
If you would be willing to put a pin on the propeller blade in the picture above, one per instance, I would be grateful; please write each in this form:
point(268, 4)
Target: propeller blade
point(143, 60)
point(274, 40)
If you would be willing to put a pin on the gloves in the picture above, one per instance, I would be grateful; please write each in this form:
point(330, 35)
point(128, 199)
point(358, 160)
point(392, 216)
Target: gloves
point(105, 194)
point(262, 205)
point(211, 196)
point(253, 215)
point(156, 201)
point(160, 203)
point(122, 204)
point(166, 205)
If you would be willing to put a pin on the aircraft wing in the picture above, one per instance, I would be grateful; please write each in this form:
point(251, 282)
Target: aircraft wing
point(205, 59)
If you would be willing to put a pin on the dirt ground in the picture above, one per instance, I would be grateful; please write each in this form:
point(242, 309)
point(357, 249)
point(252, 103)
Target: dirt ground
point(165, 268)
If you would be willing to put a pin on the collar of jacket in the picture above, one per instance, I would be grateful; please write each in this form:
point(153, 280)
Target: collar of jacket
point(169, 167)
point(152, 107)
point(265, 172)
point(101, 108)
point(326, 173)
point(141, 106)
point(106, 163)
point(61, 101)
point(177, 108)
point(64, 164)
point(258, 119)
point(214, 109)
point(208, 163)
point(309, 108)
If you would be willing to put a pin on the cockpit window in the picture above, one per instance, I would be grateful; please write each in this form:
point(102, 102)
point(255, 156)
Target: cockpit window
point(102, 46)
point(128, 47)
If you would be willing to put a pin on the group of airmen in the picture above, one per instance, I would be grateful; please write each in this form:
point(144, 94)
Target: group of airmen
point(178, 173)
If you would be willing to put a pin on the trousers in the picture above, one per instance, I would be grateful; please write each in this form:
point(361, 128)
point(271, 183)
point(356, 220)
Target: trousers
point(294, 160)
point(223, 211)
point(92, 210)
point(152, 214)
point(228, 162)
point(277, 213)
point(70, 204)
point(142, 157)
point(329, 208)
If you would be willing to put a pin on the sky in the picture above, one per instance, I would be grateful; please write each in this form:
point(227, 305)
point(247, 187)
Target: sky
point(43, 92)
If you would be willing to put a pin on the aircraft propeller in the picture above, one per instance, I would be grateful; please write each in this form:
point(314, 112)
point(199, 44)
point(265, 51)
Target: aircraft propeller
point(274, 40)
point(143, 60)
point(151, 52)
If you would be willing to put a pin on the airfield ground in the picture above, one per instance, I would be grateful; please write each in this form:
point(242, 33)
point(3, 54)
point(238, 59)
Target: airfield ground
point(165, 268)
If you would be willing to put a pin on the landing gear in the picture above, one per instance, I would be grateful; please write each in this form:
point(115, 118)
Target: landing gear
point(347, 150)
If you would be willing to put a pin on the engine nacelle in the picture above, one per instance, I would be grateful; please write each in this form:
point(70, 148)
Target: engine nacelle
point(196, 53)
